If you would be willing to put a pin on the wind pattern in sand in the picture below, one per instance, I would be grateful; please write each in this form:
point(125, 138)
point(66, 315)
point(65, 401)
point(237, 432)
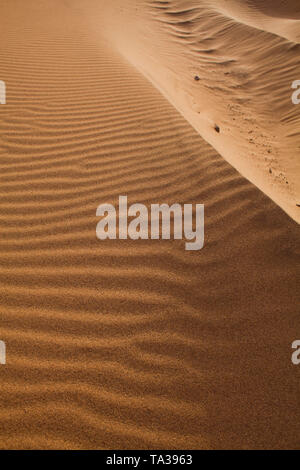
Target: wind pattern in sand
point(126, 344)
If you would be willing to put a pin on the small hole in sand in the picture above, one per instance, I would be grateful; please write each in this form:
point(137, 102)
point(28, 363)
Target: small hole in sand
point(196, 78)
point(217, 129)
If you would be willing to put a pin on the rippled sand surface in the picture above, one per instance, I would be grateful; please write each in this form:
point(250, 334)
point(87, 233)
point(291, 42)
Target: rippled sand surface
point(132, 344)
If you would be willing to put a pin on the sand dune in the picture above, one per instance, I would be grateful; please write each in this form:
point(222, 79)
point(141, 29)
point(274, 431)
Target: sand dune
point(245, 60)
point(126, 344)
point(280, 17)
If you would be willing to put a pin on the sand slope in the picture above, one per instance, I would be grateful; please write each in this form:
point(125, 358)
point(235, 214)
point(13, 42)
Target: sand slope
point(246, 56)
point(130, 344)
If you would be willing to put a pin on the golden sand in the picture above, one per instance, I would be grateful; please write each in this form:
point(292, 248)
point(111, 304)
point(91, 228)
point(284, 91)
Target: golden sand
point(139, 344)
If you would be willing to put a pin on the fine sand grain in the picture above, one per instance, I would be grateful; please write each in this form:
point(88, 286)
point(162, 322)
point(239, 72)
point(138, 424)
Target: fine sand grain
point(140, 344)
point(244, 55)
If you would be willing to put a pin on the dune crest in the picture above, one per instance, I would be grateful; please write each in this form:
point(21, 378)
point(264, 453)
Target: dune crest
point(227, 66)
point(277, 17)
